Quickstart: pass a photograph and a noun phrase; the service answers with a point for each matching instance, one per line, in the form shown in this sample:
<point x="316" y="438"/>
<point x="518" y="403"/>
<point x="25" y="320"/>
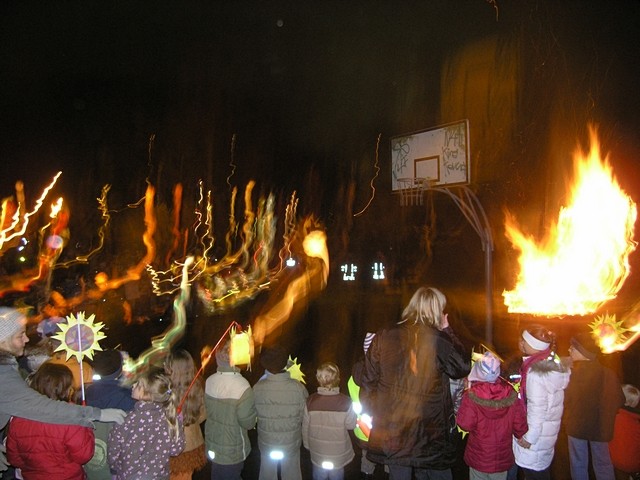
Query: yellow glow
<point x="17" y="230"/>
<point x="295" y="370"/>
<point x="79" y="337"/>
<point x="55" y="208"/>
<point x="584" y="260"/>
<point x="241" y="347"/>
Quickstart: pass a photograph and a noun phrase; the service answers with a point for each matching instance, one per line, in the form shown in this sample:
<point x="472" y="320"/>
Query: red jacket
<point x="492" y="413"/>
<point x="47" y="451"/>
<point x="625" y="446"/>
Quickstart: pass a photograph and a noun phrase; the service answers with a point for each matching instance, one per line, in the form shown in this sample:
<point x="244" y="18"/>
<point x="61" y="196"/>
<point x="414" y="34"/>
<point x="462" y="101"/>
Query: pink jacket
<point x="47" y="451"/>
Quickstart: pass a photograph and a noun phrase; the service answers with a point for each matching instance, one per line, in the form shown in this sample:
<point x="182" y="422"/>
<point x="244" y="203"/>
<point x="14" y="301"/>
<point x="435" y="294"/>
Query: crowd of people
<point x="422" y="404"/>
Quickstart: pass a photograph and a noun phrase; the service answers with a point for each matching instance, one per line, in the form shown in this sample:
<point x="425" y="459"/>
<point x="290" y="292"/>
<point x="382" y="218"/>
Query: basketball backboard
<point x="440" y="155"/>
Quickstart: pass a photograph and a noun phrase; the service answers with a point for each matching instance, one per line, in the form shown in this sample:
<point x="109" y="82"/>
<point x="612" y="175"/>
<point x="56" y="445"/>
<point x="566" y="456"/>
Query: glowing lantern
<point x="583" y="261"/>
<point x="241" y="349"/>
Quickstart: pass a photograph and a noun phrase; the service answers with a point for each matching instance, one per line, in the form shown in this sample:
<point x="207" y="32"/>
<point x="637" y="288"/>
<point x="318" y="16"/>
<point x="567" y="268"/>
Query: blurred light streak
<point x="175" y="230"/>
<point x="106" y="218"/>
<point x="6" y="235"/>
<point x="376" y="166"/>
<point x="300" y="289"/>
<point x="232" y="162"/>
<point x="161" y="345"/>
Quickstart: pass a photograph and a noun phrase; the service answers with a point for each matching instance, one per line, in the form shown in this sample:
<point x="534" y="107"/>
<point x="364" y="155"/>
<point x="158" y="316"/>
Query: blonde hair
<point x="426" y="307"/>
<point x="181" y="369"/>
<point x="328" y="375"/>
<point x="631" y="395"/>
<point x="156" y="386"/>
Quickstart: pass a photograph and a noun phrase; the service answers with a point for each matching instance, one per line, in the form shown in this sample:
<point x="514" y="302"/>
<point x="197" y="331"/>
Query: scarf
<point x="526" y="366"/>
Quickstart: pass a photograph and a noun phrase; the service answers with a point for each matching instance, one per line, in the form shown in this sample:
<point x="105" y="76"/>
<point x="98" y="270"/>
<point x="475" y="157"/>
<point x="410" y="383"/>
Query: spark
<point x="161" y="345"/>
<point x="5" y="235"/>
<point x="373" y="188"/>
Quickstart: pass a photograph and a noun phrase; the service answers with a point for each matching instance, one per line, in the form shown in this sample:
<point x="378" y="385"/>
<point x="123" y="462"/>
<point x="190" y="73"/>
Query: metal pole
<point x="488" y="285"/>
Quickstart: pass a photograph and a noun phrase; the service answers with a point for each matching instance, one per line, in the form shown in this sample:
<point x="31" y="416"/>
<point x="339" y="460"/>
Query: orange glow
<point x="584" y="260"/>
<point x="299" y="291"/>
<point x="19" y="224"/>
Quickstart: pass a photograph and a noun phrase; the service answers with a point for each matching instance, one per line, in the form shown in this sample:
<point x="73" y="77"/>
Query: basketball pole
<point x="470" y="206"/>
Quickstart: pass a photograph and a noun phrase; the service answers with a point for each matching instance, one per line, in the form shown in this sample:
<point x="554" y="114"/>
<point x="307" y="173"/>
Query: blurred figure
<point x="406" y="377"/>
<point x="591" y="401"/>
<point x="625" y="445"/>
<point x="181" y="369"/>
<point x="328" y="417"/>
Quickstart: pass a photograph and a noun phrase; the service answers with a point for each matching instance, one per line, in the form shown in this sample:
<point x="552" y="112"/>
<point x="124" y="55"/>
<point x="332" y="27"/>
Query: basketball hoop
<point x="412" y="190"/>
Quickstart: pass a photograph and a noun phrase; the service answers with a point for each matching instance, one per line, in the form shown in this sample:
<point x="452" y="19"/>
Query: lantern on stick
<point x="79" y="337"/>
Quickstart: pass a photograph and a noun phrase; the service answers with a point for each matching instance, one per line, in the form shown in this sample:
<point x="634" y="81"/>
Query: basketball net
<point x="412" y="190"/>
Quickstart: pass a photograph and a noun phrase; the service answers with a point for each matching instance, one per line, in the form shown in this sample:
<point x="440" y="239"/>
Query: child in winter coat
<point x="543" y="381"/>
<point x="181" y="369"/>
<point x="280" y="402"/>
<point x="140" y="448"/>
<point x="328" y="417"/>
<point x="492" y="413"/>
<point x="625" y="446"/>
<point x="44" y="450"/>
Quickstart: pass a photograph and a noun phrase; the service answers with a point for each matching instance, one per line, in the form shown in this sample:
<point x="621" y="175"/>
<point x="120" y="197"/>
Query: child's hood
<point x="496" y="398"/>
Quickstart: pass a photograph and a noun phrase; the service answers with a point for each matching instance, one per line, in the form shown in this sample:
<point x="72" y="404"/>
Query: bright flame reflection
<point x="583" y="261"/>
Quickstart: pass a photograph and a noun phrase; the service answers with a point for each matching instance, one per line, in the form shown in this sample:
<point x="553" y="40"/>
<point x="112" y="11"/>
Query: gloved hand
<point x="4" y="465"/>
<point x="112" y="415"/>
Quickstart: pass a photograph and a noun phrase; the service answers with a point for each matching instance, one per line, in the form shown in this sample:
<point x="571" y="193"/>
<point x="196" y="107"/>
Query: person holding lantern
<point x="19" y="400"/>
<point x="231" y="412"/>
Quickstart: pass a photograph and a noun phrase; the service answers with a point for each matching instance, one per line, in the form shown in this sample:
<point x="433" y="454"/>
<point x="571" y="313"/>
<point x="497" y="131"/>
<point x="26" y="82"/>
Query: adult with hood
<point x="405" y="381"/>
<point x="543" y="381"/>
<point x="19" y="400"/>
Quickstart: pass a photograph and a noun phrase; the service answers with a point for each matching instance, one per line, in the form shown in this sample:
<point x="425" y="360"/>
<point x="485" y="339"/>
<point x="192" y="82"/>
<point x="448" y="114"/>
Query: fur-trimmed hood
<point x="553" y="365"/>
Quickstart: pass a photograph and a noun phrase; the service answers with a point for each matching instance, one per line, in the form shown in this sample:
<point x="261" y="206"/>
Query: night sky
<point x="295" y="95"/>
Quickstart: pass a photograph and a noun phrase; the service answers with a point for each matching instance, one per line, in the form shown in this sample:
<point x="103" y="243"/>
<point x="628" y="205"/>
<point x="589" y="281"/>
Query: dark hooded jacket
<point x="405" y="384"/>
<point x="492" y="413"/>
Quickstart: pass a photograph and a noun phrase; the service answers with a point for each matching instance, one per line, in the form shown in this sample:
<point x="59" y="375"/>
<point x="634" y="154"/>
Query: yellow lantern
<point x="241" y="350"/>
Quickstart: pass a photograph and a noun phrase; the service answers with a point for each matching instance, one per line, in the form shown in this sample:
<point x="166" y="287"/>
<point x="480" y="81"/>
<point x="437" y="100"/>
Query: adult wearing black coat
<point x="405" y="381"/>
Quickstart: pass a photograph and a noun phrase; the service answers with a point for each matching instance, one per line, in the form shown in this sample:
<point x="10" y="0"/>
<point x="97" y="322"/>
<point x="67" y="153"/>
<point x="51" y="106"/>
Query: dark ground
<point x="352" y="471"/>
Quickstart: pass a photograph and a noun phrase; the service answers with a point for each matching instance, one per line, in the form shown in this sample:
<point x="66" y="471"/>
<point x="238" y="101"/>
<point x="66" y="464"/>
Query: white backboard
<point x="439" y="154"/>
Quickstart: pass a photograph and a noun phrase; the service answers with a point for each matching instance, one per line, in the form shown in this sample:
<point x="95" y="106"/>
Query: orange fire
<point x="584" y="259"/>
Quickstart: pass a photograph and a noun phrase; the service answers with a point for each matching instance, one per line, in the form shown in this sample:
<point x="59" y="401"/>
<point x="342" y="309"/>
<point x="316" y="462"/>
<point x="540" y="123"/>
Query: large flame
<point x="584" y="259"/>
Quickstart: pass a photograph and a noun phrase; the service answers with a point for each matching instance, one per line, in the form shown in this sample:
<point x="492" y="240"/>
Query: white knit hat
<point x="11" y="321"/>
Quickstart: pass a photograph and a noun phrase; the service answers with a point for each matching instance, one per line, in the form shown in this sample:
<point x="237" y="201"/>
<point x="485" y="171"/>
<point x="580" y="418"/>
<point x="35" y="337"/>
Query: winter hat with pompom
<point x="11" y="321"/>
